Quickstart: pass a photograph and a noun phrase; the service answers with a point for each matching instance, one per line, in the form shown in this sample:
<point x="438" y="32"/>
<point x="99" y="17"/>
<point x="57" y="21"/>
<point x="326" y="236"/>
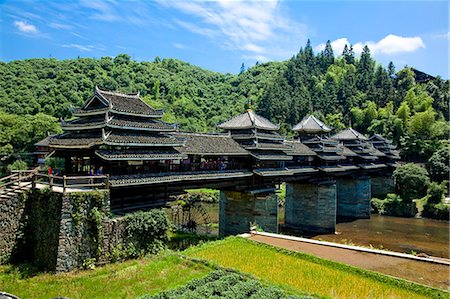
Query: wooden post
<point x="107" y="182"/>
<point x="33" y="181"/>
<point x="20" y="178"/>
<point x="64" y="184"/>
<point x="50" y="181"/>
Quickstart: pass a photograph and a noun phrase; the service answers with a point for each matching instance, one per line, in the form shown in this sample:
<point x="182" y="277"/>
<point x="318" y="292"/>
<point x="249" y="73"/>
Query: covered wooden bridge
<point x="119" y="142"/>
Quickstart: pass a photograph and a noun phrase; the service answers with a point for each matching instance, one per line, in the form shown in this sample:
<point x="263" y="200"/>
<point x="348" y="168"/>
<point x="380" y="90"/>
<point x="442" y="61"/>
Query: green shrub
<point x="393" y="205"/>
<point x="146" y="232"/>
<point x="438" y="163"/>
<point x="202" y="195"/>
<point x="17" y="165"/>
<point x="411" y="181"/>
<point x="436" y="192"/>
<point x="439" y="211"/>
<point x="222" y="284"/>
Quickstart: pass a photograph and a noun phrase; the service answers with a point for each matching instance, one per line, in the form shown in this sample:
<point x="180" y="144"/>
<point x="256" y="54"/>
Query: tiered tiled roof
<point x="311" y="125"/>
<point x="358" y="144"/>
<point x="128" y="104"/>
<point x="326" y="149"/>
<point x="385" y="146"/>
<point x="299" y="149"/>
<point x="120" y="120"/>
<point x="248" y="120"/>
<point x="257" y="135"/>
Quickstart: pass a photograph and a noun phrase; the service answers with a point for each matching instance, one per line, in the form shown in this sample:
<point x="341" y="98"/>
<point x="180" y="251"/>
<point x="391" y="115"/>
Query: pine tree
<point x="242" y="68"/>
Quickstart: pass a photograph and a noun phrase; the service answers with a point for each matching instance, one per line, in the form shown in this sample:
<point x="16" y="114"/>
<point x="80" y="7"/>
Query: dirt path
<point x="435" y="275"/>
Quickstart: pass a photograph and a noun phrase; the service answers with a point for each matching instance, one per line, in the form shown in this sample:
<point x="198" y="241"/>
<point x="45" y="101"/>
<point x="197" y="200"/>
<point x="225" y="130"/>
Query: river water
<point x="409" y="235"/>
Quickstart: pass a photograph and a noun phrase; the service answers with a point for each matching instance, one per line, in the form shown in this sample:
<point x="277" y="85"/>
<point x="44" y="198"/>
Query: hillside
<point x="340" y="90"/>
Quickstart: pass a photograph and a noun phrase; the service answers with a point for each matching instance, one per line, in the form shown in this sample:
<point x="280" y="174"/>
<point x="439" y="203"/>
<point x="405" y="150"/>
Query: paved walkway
<point x="432" y="274"/>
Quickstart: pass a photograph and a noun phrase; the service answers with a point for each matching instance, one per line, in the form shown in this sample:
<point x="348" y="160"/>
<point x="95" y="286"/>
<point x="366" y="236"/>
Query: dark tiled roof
<point x="129" y="103"/>
<point x="45" y="141"/>
<point x="271" y="156"/>
<point x="311" y="125"/>
<point x="268" y="146"/>
<point x="349" y="134"/>
<point x="273" y="172"/>
<point x="76" y="139"/>
<point x="208" y="144"/>
<point x="121" y="121"/>
<point x="130" y="138"/>
<point x="139" y="154"/>
<point x="385" y="146"/>
<point x="247" y="120"/>
<point x="149" y="179"/>
<point x="348" y="152"/>
<point x="299" y="149"/>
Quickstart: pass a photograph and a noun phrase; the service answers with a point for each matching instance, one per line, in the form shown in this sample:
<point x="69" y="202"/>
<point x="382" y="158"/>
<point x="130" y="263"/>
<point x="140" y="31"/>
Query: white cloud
<point x="390" y="44"/>
<point x="60" y="26"/>
<point x="104" y="10"/>
<point x="83" y="48"/>
<point x="255" y="27"/>
<point x="259" y="58"/>
<point x="25" y="27"/>
<point x="443" y="36"/>
<point x="179" y="46"/>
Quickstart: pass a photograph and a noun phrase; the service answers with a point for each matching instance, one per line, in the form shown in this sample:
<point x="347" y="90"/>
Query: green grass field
<point x="307" y="273"/>
<point x="295" y="273"/>
<point x="129" y="279"/>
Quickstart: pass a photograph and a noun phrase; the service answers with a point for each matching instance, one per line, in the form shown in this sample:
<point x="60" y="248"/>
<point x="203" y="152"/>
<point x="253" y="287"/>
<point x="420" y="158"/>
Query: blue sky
<point x="220" y="35"/>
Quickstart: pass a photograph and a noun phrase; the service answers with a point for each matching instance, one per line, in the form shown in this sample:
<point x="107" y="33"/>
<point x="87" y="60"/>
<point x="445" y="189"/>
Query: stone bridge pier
<point x="240" y="209"/>
<point x="353" y="197"/>
<point x="311" y="206"/>
<point x="382" y="185"/>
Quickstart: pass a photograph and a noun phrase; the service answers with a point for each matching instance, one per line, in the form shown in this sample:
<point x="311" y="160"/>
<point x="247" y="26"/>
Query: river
<point x="408" y="235"/>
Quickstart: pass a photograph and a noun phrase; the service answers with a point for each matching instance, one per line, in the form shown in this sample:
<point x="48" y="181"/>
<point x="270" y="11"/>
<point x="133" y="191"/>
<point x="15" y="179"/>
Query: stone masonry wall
<point x="239" y="209"/>
<point x="311" y="207"/>
<point x="382" y="185"/>
<point x="78" y="232"/>
<point x="353" y="197"/>
<point x="11" y="211"/>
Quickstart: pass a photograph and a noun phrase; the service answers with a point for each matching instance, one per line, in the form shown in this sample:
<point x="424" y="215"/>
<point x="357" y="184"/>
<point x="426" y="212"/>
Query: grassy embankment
<point x="129" y="279"/>
<point x="297" y="271"/>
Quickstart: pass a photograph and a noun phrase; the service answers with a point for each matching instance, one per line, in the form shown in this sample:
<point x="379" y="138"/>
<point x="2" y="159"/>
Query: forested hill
<point x="347" y="90"/>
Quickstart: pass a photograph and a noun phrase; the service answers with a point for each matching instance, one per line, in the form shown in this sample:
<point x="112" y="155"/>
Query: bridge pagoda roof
<point x="248" y="120"/>
<point x="385" y="146"/>
<point x="349" y="134"/>
<point x="120" y="103"/>
<point x="210" y="145"/>
<point x="311" y="125"/>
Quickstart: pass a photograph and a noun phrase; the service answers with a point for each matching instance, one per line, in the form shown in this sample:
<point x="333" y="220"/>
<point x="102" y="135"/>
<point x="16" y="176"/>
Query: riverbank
<point x="420" y="271"/>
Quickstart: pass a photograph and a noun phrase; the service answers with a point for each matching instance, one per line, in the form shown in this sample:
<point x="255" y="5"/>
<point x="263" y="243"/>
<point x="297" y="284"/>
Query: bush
<point x="222" y="284"/>
<point x="438" y="163"/>
<point x="393" y="205"/>
<point x="439" y="211"/>
<point x="201" y="195"/>
<point x="17" y="165"/>
<point x="411" y="182"/>
<point x="146" y="232"/>
<point x="436" y="192"/>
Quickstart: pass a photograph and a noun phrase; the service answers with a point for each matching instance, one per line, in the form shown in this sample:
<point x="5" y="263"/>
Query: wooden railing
<point x="75" y="183"/>
<point x="72" y="182"/>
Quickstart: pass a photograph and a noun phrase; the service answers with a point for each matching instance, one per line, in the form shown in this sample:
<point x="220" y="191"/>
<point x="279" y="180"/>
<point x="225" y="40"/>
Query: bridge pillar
<point x="353" y="197"/>
<point x="382" y="185"/>
<point x="311" y="206"/>
<point x="239" y="209"/>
